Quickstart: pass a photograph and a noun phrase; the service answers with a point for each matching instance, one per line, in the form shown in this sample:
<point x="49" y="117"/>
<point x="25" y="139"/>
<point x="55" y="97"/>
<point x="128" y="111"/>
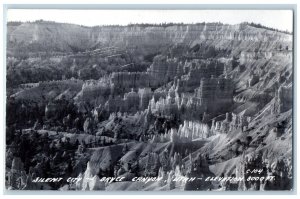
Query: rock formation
<point x="169" y="101"/>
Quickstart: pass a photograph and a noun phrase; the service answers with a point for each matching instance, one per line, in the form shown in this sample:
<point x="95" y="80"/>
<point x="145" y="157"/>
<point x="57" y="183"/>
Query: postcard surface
<point x="149" y="100"/>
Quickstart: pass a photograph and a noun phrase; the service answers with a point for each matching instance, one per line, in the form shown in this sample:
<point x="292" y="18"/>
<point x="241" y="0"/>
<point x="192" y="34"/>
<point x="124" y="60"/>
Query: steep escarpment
<point x="68" y="37"/>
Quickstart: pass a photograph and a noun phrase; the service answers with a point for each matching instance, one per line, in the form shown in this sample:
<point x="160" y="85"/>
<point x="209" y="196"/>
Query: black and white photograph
<point x="158" y="100"/>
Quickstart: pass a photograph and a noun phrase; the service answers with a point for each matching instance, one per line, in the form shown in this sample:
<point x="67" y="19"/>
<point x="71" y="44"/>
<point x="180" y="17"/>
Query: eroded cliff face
<point x="64" y="37"/>
<point x="174" y="101"/>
